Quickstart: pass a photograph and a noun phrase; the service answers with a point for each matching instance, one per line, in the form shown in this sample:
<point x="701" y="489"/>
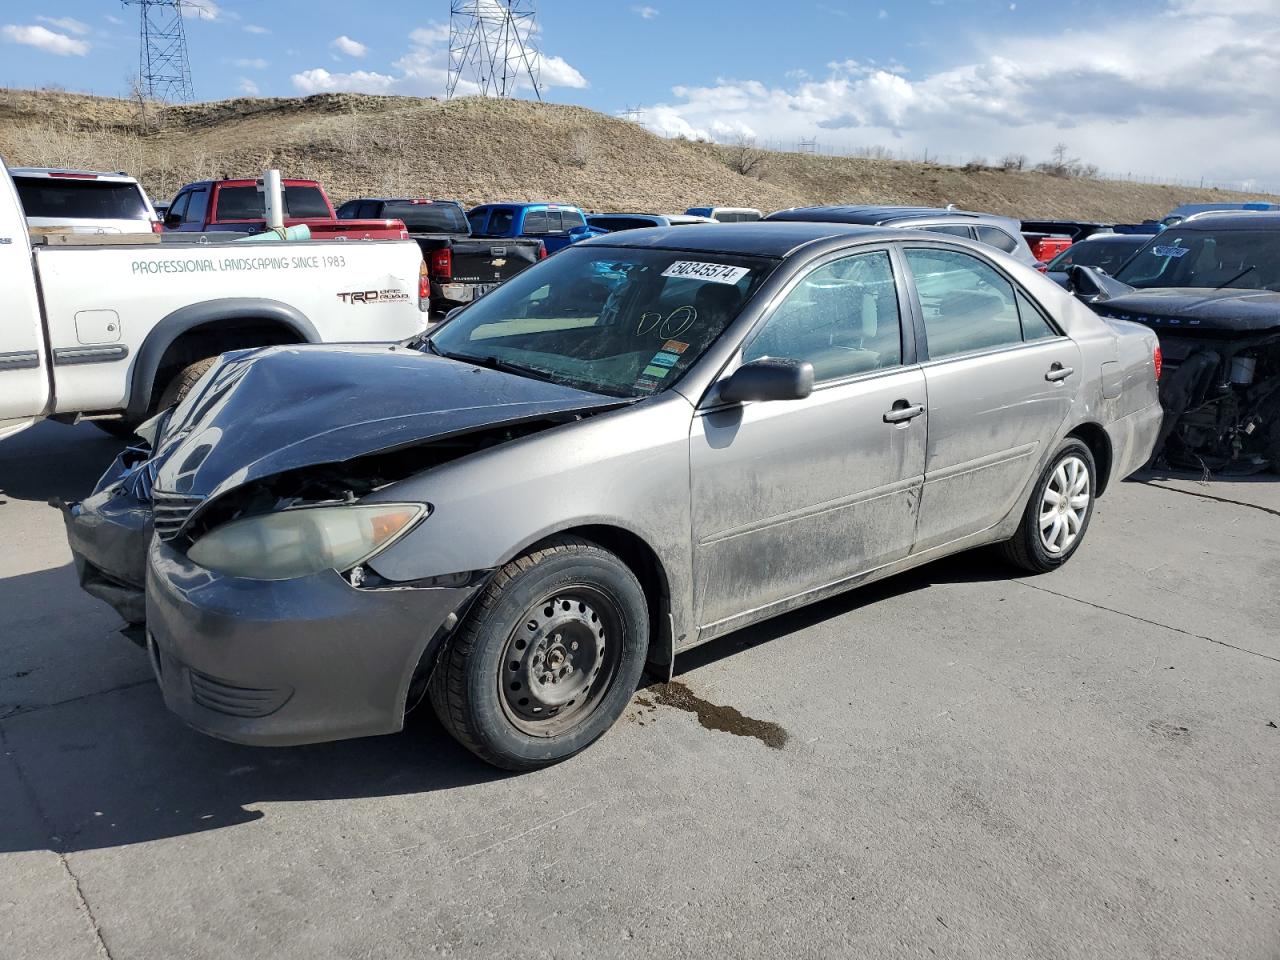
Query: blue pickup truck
<point x="556" y="224"/>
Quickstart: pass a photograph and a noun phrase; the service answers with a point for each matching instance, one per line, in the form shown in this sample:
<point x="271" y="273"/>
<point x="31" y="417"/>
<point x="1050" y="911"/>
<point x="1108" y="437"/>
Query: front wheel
<point x="547" y="659"/>
<point x="1058" y="513"/>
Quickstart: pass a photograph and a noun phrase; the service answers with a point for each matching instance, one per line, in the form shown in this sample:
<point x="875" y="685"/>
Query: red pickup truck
<point x="240" y="205"/>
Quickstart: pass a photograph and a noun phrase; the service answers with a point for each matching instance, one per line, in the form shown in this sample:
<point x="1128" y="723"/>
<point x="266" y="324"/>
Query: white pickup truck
<point x="111" y="331"/>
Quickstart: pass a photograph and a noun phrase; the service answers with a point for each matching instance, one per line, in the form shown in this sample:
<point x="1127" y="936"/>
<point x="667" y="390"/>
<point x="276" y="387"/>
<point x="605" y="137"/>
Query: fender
<point x="164" y="333"/>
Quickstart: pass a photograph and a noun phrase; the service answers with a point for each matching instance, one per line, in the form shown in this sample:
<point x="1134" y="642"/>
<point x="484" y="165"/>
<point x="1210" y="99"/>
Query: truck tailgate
<point x="492" y="261"/>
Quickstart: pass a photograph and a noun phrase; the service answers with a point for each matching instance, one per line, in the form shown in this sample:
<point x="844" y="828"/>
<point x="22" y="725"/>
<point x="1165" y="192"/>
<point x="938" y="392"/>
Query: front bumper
<point x="291" y="661"/>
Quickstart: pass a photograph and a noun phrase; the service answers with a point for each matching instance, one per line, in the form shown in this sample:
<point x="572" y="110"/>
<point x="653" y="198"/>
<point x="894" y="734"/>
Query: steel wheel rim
<point x="559" y="660"/>
<point x="1064" y="505"/>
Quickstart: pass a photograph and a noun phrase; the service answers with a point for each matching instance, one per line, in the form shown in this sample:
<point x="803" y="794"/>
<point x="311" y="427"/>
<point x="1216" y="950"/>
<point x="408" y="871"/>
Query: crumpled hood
<point x="261" y="413"/>
<point x="1220" y="311"/>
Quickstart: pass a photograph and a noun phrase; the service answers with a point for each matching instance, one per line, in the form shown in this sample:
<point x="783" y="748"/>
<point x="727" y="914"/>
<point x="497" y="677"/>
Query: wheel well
<point x="644" y="563"/>
<point x="1099" y="444"/>
<point x="213" y="338"/>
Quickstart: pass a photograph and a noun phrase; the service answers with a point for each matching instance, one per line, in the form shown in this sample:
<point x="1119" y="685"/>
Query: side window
<point x="537" y="222"/>
<point x="967" y="304"/>
<point x="843" y="318"/>
<point x="1034" y="325"/>
<point x="197" y="207"/>
<point x="950" y="229"/>
<point x="478" y="219"/>
<point x="997" y="238"/>
<point x="179" y="206"/>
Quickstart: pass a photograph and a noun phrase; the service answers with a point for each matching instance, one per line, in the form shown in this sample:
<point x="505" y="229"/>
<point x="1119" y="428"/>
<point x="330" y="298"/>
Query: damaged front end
<point x="285" y="428"/>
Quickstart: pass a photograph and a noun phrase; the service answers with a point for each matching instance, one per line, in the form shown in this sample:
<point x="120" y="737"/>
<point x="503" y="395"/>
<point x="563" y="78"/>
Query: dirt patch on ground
<point x="475" y="149"/>
<point x="713" y="716"/>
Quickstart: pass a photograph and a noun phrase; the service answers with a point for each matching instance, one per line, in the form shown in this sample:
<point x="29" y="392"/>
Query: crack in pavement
<point x="20" y="710"/>
<point x="1154" y="623"/>
<point x="82" y="902"/>
<point x="1208" y="496"/>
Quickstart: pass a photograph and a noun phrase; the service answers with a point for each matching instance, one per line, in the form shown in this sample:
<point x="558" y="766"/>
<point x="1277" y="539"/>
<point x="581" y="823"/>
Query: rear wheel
<point x="1058" y="513"/>
<point x="547" y="659"/>
<point x="177" y="389"/>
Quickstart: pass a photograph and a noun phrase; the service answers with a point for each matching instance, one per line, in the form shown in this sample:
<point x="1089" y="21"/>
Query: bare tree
<point x="745" y="158"/>
<point x="1014" y="162"/>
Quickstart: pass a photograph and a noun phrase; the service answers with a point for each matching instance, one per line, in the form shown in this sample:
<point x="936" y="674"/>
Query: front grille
<point x="233" y="700"/>
<point x="170" y="512"/>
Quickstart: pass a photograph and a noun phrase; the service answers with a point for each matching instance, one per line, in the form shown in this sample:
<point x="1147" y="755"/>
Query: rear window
<point x="65" y="199"/>
<point x="499" y="219"/>
<point x="429" y="217"/>
<point x="247" y="203"/>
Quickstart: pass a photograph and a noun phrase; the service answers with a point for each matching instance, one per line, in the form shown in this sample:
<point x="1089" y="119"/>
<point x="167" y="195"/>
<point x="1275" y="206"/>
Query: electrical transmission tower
<point x="491" y="43"/>
<point x="164" y="73"/>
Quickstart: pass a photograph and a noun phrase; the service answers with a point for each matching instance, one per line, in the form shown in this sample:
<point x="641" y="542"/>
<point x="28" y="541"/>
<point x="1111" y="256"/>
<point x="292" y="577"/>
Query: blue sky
<point x="1147" y="87"/>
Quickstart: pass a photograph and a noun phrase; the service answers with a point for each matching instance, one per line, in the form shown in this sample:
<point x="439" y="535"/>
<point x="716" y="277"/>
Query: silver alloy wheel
<point x="1064" y="505"/>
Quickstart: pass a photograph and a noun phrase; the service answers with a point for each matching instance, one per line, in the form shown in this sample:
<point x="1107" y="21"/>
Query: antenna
<point x="491" y="43"/>
<point x="164" y="73"/>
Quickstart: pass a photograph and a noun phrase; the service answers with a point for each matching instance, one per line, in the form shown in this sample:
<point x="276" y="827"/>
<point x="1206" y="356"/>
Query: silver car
<point x="649" y="440"/>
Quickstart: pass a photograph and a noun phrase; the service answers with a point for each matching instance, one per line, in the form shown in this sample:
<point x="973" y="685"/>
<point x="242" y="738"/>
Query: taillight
<point x="1158" y="357"/>
<point x="442" y="264"/>
<point x="542" y="251"/>
<point x="157" y="226"/>
<point x="424" y="287"/>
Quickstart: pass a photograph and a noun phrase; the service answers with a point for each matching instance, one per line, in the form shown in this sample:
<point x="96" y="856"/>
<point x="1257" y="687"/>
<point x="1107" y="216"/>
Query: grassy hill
<point x="475" y="149"/>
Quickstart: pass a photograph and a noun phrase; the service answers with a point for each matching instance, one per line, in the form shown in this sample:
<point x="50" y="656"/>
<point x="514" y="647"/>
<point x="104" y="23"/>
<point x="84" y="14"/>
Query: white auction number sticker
<point x="714" y="272"/>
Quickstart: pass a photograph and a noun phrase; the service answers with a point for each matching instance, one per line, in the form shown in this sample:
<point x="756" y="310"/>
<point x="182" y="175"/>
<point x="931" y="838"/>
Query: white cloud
<point x="248" y="87"/>
<point x="254" y="63"/>
<point x="424" y="71"/>
<point x="352" y="48"/>
<point x="115" y="21"/>
<point x="44" y="39"/>
<point x="320" y="80"/>
<point x="202" y="10"/>
<point x="1209" y="111"/>
<point x="254" y="28"/>
<point x="645" y="12"/>
<point x="69" y="24"/>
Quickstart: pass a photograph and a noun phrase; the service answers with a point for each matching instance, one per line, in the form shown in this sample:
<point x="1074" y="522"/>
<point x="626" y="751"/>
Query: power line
<point x="164" y="71"/>
<point x="491" y="45"/>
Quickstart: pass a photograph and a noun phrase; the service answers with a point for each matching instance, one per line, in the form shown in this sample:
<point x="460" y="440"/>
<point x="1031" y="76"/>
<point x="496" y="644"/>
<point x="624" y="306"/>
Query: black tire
<point x="564" y="588"/>
<point x="177" y="388"/>
<point x="1028" y="548"/>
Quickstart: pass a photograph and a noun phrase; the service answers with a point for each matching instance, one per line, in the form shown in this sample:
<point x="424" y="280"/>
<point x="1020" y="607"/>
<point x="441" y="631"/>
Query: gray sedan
<point x="647" y="441"/>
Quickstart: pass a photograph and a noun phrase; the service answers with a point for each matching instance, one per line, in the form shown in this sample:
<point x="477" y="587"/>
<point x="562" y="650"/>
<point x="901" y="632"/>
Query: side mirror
<point x="768" y="379"/>
<point x="1093" y="285"/>
<point x="172" y="220"/>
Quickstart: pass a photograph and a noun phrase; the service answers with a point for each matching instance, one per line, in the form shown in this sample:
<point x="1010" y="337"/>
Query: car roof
<point x="114" y="176"/>
<point x="1231" y="220"/>
<point x="1133" y="238"/>
<point x="847" y="213"/>
<point x="401" y="200"/>
<point x="754" y="238"/>
<point x="1189" y="208"/>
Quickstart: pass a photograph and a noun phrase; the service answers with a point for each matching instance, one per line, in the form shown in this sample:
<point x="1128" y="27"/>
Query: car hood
<point x="265" y="412"/>
<point x="1218" y="311"/>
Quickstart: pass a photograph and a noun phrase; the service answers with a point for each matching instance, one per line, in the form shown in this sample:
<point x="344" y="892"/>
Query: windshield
<point x="617" y="321"/>
<point x="1110" y="255"/>
<point x="1234" y="259"/>
<point x="427" y="216"/>
<point x="70" y="199"/>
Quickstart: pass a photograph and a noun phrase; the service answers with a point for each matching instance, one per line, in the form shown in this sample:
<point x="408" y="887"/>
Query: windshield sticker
<point x="675" y="346"/>
<point x="714" y="272"/>
<point x="654" y="371"/>
<point x="665" y="359"/>
<point x="1174" y="252"/>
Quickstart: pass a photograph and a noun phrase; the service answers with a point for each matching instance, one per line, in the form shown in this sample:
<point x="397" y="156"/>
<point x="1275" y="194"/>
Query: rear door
<point x="1001" y="380"/>
<point x="24" y="373"/>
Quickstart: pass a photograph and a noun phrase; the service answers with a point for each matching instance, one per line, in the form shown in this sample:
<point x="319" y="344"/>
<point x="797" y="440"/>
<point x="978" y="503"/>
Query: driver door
<point x="791" y="497"/>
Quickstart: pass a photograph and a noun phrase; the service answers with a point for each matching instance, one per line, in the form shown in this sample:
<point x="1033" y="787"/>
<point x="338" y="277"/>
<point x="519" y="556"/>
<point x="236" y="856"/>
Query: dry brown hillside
<point x="476" y="149"/>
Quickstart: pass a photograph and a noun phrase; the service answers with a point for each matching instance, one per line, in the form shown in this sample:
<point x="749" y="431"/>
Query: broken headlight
<point x="304" y="540"/>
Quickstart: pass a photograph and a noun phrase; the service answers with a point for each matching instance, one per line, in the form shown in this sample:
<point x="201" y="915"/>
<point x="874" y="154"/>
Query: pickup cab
<point x="240" y="206"/>
<point x="461" y="268"/>
<point x="556" y="224"/>
<point x="113" y="328"/>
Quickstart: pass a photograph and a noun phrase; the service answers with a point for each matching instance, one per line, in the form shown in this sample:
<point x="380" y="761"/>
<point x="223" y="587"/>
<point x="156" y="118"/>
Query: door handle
<point x="1058" y="372"/>
<point x="902" y="411"/>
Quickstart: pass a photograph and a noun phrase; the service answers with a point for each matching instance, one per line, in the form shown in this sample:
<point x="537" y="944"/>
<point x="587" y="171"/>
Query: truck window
<point x="178" y="208"/>
<point x="369" y="210"/>
<point x="571" y="219"/>
<point x="538" y="222"/>
<point x="478" y="219"/>
<point x="305" y="202"/>
<point x="429" y="217"/>
<point x="68" y="199"/>
<point x="240" y="203"/>
<point x="197" y="206"/>
<point x="348" y="210"/>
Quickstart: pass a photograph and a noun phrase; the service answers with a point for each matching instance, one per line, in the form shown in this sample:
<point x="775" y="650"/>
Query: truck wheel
<point x="547" y="659"/>
<point x="1058" y="513"/>
<point x="181" y="385"/>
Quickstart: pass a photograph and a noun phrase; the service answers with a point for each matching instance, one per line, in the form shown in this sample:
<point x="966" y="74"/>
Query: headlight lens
<point x="302" y="541"/>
